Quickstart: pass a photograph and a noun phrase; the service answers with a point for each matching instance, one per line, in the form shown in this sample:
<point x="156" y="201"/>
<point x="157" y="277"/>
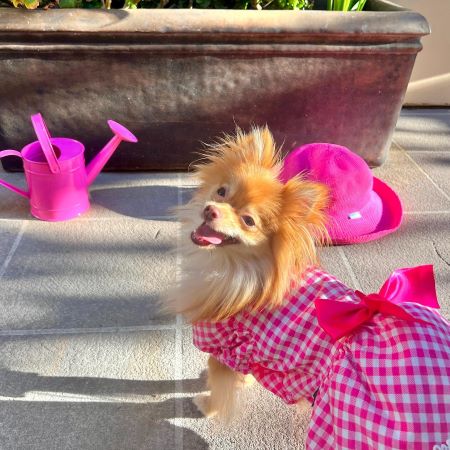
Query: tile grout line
<point x="350" y="271"/>
<point x="428" y="151"/>
<point x="178" y="369"/>
<point x="69" y="331"/>
<point x="423" y="171"/>
<point x="95" y="219"/>
<point x="427" y="212"/>
<point x="13" y="249"/>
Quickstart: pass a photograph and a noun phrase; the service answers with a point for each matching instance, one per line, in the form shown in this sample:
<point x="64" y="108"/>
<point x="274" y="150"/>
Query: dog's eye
<point x="221" y="192"/>
<point x="248" y="221"/>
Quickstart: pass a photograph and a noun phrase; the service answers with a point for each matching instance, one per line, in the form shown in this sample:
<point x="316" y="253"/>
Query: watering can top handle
<point x="9" y="185"/>
<point x="44" y="139"/>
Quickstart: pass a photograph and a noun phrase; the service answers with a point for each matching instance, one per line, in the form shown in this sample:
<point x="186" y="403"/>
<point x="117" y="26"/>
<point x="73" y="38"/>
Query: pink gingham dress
<point x="384" y="386"/>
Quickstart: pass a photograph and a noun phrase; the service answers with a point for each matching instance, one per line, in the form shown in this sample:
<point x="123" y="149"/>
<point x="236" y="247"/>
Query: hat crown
<point x="346" y="174"/>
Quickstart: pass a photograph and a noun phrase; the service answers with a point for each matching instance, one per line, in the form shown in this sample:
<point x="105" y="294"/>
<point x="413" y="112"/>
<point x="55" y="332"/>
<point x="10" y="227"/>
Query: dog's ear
<point x="304" y="204"/>
<point x="301" y="226"/>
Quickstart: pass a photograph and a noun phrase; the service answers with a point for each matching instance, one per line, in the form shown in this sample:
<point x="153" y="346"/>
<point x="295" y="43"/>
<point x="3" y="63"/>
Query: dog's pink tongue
<point x="208" y="234"/>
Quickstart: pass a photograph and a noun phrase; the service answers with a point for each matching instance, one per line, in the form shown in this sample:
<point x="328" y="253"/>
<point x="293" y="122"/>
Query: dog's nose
<point x="211" y="213"/>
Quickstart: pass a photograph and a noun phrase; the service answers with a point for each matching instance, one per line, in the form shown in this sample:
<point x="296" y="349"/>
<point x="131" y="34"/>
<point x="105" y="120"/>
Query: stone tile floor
<point x="88" y="360"/>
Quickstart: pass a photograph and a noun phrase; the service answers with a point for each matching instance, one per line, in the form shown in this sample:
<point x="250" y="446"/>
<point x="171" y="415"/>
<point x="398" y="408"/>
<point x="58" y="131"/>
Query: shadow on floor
<point x="72" y="421"/>
<point x="71" y="425"/>
<point x="16" y="384"/>
<point x="138" y="201"/>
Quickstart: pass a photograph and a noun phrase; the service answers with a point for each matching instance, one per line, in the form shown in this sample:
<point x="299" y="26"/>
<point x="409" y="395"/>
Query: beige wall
<point x="430" y="80"/>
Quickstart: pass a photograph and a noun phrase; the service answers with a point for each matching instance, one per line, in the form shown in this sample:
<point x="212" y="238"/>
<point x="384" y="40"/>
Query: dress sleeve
<point x="228" y="341"/>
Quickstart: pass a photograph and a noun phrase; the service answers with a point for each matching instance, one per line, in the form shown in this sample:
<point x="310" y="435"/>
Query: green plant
<point x="227" y="4"/>
<point x="132" y="4"/>
<point x="345" y="5"/>
<point x="335" y="5"/>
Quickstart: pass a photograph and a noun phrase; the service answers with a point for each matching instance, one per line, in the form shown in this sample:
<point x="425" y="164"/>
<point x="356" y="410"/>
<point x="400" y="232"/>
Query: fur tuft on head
<point x="245" y="234"/>
<point x="256" y="148"/>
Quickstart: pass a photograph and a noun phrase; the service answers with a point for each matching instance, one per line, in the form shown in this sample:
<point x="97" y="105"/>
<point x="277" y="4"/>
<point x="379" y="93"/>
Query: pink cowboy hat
<point x="362" y="208"/>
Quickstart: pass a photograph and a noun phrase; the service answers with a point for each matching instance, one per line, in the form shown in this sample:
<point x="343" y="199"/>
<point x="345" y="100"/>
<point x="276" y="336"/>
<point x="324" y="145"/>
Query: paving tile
<point x="186" y="193"/>
<point x="89" y="274"/>
<point x="88" y="426"/>
<point x="436" y="165"/>
<point x="131" y="179"/>
<point x="423" y="130"/>
<point x="107" y="366"/>
<point x="150" y="201"/>
<point x="8" y="234"/>
<point x="333" y="260"/>
<point x="422" y="239"/>
<point x="412" y="185"/>
<point x="93" y="391"/>
<point x="137" y="195"/>
<point x="14" y="206"/>
<point x="264" y="421"/>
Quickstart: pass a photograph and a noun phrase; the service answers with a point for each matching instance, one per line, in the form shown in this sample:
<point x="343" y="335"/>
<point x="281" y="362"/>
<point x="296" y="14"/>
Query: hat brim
<point x="389" y="221"/>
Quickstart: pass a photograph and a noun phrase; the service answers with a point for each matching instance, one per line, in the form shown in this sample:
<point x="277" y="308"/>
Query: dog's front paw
<point x="203" y="403"/>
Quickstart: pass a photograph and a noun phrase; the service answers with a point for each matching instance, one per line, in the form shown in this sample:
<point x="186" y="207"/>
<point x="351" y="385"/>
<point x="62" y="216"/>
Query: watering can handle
<point x="6" y="184"/>
<point x="43" y="136"/>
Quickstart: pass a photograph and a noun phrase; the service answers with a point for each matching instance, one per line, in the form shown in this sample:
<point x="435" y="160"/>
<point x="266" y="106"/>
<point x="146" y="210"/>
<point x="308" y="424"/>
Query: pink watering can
<point x="57" y="177"/>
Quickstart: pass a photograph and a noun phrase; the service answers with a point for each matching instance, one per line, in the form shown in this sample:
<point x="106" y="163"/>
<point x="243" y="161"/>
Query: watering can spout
<point x="97" y="164"/>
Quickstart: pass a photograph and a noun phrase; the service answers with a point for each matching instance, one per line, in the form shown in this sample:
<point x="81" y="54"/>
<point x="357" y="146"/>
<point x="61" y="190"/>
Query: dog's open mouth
<point x="204" y="235"/>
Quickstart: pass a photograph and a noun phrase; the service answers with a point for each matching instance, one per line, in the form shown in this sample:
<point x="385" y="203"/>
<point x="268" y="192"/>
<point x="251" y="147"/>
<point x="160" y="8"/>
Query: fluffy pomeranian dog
<point x="248" y="283"/>
<point x="247" y="233"/>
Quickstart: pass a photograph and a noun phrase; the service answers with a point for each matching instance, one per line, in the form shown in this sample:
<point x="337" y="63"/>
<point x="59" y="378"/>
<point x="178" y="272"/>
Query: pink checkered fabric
<point x="387" y="386"/>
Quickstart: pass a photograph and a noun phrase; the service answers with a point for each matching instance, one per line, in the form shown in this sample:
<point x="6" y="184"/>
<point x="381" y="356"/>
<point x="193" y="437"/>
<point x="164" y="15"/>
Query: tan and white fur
<point x="244" y="235"/>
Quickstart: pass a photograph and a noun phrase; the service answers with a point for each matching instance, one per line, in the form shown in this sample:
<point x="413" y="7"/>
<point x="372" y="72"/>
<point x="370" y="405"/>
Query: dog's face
<point x="242" y="203"/>
<point x="238" y="206"/>
<point x="246" y="219"/>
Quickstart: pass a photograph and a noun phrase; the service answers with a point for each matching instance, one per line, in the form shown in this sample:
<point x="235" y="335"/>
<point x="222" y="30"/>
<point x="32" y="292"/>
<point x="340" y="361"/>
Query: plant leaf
<point x="131" y="4"/>
<point x="31" y="4"/>
<point x="361" y="4"/>
<point x="70" y="3"/>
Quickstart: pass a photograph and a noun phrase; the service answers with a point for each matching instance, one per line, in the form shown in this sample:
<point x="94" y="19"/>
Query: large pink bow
<point x="339" y="318"/>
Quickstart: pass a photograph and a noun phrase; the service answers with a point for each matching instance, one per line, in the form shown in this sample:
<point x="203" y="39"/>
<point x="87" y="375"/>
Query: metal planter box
<point x="178" y="78"/>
